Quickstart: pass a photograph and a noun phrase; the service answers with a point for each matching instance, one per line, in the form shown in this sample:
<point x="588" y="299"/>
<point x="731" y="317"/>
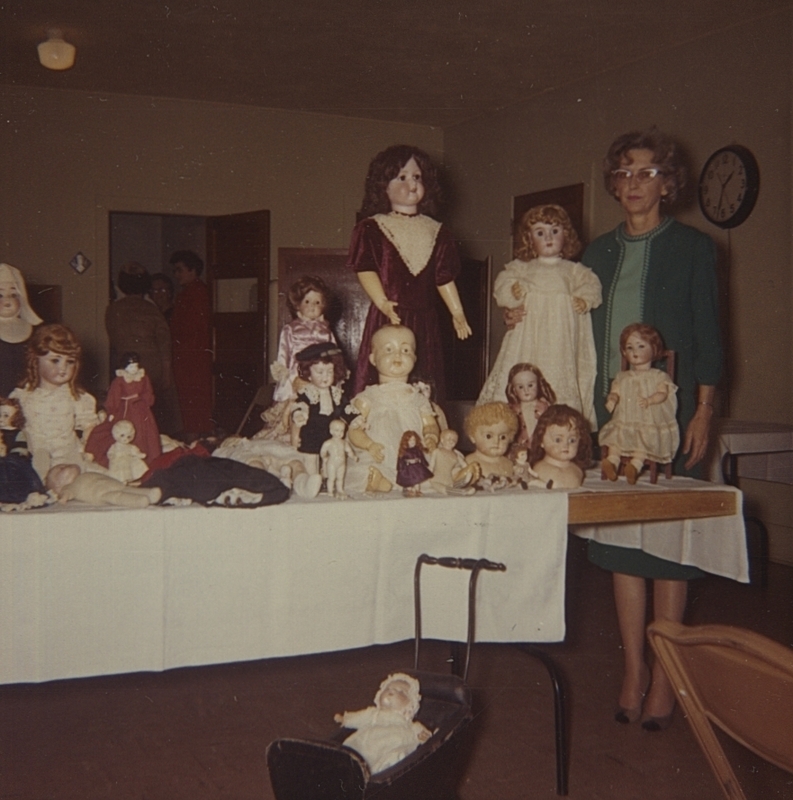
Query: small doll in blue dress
<point x="18" y="479"/>
<point x="412" y="466"/>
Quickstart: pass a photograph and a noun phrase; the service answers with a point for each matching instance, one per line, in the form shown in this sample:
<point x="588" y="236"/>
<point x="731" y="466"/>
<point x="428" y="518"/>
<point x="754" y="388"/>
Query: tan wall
<point x="68" y="158"/>
<point x="734" y="86"/>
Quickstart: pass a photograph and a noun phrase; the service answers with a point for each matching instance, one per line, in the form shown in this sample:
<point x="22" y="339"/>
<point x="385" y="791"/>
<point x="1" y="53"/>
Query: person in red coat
<point x="191" y="336"/>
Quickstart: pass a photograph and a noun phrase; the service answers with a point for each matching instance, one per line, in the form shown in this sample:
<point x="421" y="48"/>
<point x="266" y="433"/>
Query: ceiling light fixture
<point x="55" y="53"/>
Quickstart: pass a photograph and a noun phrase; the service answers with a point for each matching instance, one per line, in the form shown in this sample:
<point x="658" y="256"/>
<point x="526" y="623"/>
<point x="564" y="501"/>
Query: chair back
<point x="735" y="679"/>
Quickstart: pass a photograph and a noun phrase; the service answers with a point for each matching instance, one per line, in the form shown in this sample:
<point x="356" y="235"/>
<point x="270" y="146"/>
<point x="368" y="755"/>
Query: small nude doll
<point x="68" y="483"/>
<point x="556" y="296"/>
<point x="528" y="395"/>
<point x="334" y="453"/>
<point x="18" y="479"/>
<point x="127" y="462"/>
<point x="450" y="473"/>
<point x="643" y="404"/>
<point x="386" y="732"/>
<point x="561" y="448"/>
<point x="492" y="427"/>
<point x="56" y="408"/>
<point x="412" y="469"/>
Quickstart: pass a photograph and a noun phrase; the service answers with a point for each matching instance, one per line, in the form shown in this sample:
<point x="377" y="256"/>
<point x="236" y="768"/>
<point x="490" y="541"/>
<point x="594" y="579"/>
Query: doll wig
<point x="544" y="390"/>
<point x="53" y="338"/>
<point x="404" y="442"/>
<point x="414" y="695"/>
<point x="550" y="214"/>
<point x="385" y="166"/>
<point x="322" y="353"/>
<point x="666" y="155"/>
<point x="301" y="287"/>
<point x="645" y="332"/>
<point x="490" y="414"/>
<point x="565" y="417"/>
<point x="17" y="420"/>
<point x="129" y="358"/>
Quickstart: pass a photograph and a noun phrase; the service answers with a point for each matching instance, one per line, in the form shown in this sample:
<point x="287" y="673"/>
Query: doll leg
<point x="132" y="498"/>
<point x="331" y="479"/>
<point x="377" y="482"/>
<point x="634" y="467"/>
<point x="630" y="597"/>
<point x="341" y="473"/>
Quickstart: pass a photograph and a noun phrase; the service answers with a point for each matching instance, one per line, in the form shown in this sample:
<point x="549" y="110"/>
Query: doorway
<point x="236" y="251"/>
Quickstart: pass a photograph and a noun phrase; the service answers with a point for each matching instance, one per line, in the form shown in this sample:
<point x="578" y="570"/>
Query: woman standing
<point x="660" y="272"/>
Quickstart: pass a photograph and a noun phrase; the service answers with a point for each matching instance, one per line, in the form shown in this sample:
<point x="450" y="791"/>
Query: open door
<point x="238" y="272"/>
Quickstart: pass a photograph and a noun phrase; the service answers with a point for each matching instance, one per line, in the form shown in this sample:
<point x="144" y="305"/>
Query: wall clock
<point x="728" y="186"/>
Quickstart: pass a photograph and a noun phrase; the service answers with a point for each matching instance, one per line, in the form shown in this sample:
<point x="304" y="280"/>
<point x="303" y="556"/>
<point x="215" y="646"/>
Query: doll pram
<point x="327" y="770"/>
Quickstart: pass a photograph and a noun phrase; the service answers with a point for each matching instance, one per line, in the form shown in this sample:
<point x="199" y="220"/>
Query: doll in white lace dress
<point x="54" y="405"/>
<point x="127" y="462"/>
<point x="643" y="404"/>
<point x="386" y="732"/>
<point x="557" y="296"/>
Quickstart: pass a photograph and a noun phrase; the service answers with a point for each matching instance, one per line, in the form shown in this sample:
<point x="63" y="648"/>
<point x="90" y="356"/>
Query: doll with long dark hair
<point x="404" y="258"/>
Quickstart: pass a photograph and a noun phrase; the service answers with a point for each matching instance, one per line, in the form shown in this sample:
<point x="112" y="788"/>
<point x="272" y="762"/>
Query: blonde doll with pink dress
<point x="55" y="407"/>
<point x="556" y="295"/>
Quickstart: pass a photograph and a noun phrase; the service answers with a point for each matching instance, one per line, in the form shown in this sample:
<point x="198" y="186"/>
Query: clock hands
<point x="723" y="188"/>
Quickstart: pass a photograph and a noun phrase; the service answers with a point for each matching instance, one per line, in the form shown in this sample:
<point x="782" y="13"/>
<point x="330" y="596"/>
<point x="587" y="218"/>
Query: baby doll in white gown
<point x="386" y="732"/>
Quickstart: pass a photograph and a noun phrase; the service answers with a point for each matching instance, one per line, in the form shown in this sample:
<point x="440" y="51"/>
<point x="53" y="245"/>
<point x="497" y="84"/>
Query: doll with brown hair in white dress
<point x="643" y="404"/>
<point x="386" y="732"/>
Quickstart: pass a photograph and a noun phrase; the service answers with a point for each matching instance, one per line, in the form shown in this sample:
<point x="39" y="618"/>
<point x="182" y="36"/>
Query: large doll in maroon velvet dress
<point x="402" y="256"/>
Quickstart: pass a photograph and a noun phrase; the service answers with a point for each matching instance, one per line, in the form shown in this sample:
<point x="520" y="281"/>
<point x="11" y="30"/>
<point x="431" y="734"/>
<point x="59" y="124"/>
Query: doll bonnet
<point x="17" y="329"/>
<point x="413" y="692"/>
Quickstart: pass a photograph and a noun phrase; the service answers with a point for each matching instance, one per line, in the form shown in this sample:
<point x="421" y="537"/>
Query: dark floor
<point x="191" y="734"/>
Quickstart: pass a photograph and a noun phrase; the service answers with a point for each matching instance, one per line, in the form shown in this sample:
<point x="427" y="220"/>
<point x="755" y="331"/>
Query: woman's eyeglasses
<point x="644" y="175"/>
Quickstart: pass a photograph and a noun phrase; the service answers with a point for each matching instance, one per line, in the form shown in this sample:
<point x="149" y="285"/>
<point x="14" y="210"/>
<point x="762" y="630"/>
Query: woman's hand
<point x="512" y="316"/>
<point x="695" y="443"/>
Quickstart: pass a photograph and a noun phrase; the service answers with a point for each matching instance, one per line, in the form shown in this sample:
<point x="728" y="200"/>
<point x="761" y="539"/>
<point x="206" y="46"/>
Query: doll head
<point x="525" y="380"/>
<point x="386" y="166"/>
<point x="308" y="297"/>
<point x="641" y="344"/>
<point x="409" y="439"/>
<point x="399" y="692"/>
<point x="60" y="476"/>
<point x="130" y="366"/>
<point x="542" y="217"/>
<point x="123" y="431"/>
<point x="337" y="428"/>
<point x="322" y="364"/>
<point x="567" y="423"/>
<point x="520" y="455"/>
<point x="14" y="297"/>
<point x="11" y="416"/>
<point x="53" y="358"/>
<point x="491" y="427"/>
<point x="448" y="439"/>
<point x="393" y="353"/>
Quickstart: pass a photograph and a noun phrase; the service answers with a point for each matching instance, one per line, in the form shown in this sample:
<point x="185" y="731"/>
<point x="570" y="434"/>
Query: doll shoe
<point x="609" y="470"/>
<point x="631" y="474"/>
<point x="657" y="724"/>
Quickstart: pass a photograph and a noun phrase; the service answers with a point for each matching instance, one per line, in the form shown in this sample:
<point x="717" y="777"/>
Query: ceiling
<point x="432" y="62"/>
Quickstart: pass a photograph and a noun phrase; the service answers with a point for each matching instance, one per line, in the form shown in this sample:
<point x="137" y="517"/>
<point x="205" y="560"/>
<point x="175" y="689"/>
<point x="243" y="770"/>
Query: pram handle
<point x="473" y="564"/>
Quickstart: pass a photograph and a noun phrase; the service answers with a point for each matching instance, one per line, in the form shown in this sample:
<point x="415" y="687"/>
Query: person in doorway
<point x="191" y="335"/>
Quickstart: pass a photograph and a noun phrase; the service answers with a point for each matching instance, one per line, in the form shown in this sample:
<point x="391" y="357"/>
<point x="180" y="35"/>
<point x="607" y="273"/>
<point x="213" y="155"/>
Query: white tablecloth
<point x="102" y="591"/>
<point x="714" y="544"/>
<point x="763" y="451"/>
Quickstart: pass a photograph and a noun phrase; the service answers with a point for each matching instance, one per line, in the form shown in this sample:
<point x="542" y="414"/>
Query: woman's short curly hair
<point x="301" y="287"/>
<point x="385" y="166"/>
<point x="550" y="214"/>
<point x="666" y="155"/>
<point x="646" y="332"/>
<point x="565" y="417"/>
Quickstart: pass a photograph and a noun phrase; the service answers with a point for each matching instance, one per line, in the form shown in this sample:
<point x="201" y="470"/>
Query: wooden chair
<point x="737" y="680"/>
<point x="668" y="358"/>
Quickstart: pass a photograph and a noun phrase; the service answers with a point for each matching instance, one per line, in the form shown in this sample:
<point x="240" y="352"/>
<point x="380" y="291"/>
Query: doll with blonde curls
<point x="555" y="295"/>
<point x="56" y="408"/>
<point x="561" y="447"/>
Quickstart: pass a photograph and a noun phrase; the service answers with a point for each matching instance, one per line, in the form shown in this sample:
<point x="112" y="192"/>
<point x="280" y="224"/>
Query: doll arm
<point x="422" y="733"/>
<point x="612" y="398"/>
<point x="503" y="289"/>
<point x="358" y="435"/>
<point x="586" y="288"/>
<point x="349" y="451"/>
<point x="451" y="297"/>
<point x="373" y="286"/>
<point x="355" y="719"/>
<point x="658" y="396"/>
<point x="430" y="432"/>
<point x="85" y="416"/>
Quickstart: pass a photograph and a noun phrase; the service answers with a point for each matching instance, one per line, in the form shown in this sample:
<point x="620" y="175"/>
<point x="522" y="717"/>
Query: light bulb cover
<point x="56" y="54"/>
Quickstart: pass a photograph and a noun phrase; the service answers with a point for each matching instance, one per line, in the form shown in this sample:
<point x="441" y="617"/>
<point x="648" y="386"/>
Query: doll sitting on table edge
<point x="561" y="448"/>
<point x="643" y="404"/>
<point x="491" y="427"/>
<point x="387" y="732"/>
<point x="68" y="483"/>
<point x="20" y="484"/>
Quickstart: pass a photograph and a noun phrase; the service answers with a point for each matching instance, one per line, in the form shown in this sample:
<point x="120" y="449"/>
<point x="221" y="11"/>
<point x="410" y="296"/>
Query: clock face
<point x="728" y="186"/>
